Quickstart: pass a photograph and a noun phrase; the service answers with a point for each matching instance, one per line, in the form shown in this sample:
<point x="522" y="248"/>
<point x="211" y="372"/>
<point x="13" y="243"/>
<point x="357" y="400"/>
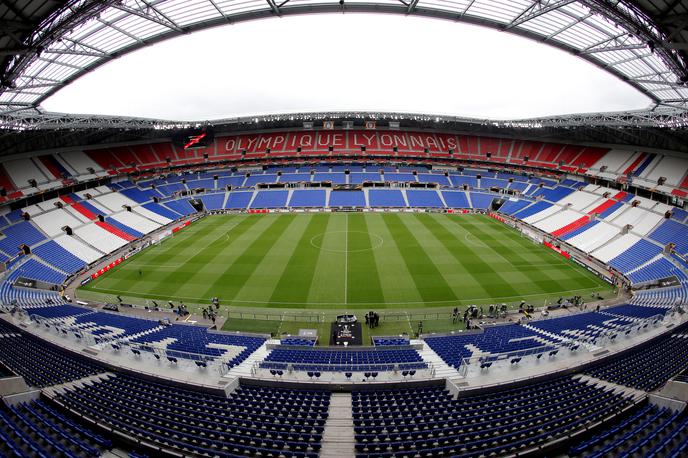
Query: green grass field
<point x="299" y="268"/>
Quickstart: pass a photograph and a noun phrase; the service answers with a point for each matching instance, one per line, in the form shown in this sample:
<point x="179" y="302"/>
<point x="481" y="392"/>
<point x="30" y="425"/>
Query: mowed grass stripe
<point x="471" y="258"/>
<point x="233" y="278"/>
<point x="397" y="284"/>
<point x="536" y="276"/>
<point x="544" y="270"/>
<point x="551" y="265"/>
<point x="200" y="268"/>
<point x="427" y="278"/>
<point x="159" y="264"/>
<point x="453" y="272"/>
<point x="474" y="258"/>
<point x="363" y="278"/>
<point x="263" y="281"/>
<point x="327" y="285"/>
<point x="193" y="278"/>
<point x="295" y="282"/>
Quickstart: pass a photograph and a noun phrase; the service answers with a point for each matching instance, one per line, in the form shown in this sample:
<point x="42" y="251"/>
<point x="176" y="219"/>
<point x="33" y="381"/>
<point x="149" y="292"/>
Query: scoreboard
<point x="194" y="138"/>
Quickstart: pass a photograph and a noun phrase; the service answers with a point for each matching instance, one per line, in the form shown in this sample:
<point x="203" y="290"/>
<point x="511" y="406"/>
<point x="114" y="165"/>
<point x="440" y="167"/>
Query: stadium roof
<point x="46" y="44"/>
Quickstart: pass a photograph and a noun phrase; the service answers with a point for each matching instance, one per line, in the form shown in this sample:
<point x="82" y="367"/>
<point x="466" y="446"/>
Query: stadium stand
<point x="183" y="207"/>
<point x="213" y="201"/>
<point x="494" y="340"/>
<point x="35" y="270"/>
<point x="650" y="366"/>
<point x="424" y="199"/>
<point x="430" y="422"/>
<point x="636" y="255"/>
<point x="308" y="198"/>
<point x="386" y="198"/>
<point x="512" y="206"/>
<point x="456" y="199"/>
<point x="54" y="254"/>
<point x="40" y="363"/>
<point x="672" y="232"/>
<point x="270" y="199"/>
<point x="263" y="420"/>
<point x="347" y="199"/>
<point x="198" y="341"/>
<point x="650" y="430"/>
<point x="531" y="210"/>
<point x="343" y="360"/>
<point x="34" y="427"/>
<point x="586" y="325"/>
<point x="238" y="200"/>
<point x="170" y="215"/>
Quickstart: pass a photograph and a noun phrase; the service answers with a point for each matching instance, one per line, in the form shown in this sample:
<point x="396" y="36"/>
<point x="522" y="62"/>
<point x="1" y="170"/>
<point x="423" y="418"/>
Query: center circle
<point x="376" y="241"/>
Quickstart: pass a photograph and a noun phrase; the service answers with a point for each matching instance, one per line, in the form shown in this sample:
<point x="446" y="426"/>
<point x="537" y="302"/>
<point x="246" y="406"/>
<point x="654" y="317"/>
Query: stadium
<point x="343" y="283"/>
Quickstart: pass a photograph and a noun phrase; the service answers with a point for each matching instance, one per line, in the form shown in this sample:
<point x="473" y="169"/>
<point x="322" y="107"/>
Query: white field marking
<point x="159" y="266"/>
<point x="279" y="328"/>
<point x="346" y="258"/>
<point x="453" y="301"/>
<point x="476" y="242"/>
<point x="541" y="264"/>
<point x="380" y="242"/>
<point x="408" y="320"/>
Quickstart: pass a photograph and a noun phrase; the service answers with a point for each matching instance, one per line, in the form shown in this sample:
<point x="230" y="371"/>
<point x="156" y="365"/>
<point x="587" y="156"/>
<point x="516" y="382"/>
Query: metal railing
<point x="137" y="349"/>
<point x="570" y="344"/>
<point x="406" y="371"/>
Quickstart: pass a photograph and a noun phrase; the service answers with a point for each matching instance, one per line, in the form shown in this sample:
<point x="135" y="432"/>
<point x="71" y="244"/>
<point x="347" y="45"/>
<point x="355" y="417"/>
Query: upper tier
<point x="663" y="173"/>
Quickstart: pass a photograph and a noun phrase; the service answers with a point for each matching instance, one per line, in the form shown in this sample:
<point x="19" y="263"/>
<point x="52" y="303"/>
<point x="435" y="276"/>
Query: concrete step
<point x="442" y="369"/>
<point x="245" y="368"/>
<point x="338" y="436"/>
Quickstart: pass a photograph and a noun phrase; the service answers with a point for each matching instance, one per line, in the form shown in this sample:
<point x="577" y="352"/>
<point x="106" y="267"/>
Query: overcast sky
<point x="346" y="62"/>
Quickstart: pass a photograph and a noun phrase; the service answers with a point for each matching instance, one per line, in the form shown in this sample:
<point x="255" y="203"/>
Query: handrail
<point x="571" y="343"/>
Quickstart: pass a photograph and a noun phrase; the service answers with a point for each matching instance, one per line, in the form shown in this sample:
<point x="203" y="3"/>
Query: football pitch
<point x="337" y="262"/>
